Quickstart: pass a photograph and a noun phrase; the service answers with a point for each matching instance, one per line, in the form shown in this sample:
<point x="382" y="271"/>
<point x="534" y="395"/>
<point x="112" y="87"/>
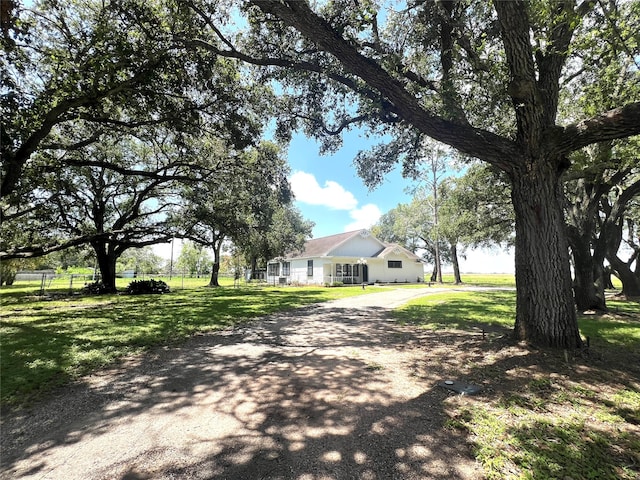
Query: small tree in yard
<point x="230" y="204"/>
<point x="193" y="258"/>
<point x="285" y="231"/>
<point x="476" y="211"/>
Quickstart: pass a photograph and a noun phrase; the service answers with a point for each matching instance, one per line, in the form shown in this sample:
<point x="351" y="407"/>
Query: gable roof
<point x="397" y="249"/>
<point x="323" y="246"/>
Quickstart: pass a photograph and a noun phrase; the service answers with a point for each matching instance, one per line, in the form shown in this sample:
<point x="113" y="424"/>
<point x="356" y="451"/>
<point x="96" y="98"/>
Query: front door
<point x="365" y="274"/>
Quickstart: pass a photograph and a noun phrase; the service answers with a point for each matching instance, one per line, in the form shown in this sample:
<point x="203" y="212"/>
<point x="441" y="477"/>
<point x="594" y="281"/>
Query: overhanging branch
<point x="476" y="142"/>
<point x="620" y="122"/>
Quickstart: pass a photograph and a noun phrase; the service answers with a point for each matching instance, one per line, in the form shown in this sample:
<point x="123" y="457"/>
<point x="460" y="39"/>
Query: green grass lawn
<point x="483" y="280"/>
<point x="466" y="310"/>
<point x="46" y="341"/>
<point x="65" y="284"/>
<point x="548" y="414"/>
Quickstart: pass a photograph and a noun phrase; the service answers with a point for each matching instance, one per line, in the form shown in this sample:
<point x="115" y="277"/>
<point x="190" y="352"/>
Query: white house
<point x="351" y="257"/>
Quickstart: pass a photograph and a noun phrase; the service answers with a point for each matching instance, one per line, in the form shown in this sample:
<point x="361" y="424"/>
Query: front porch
<point x="346" y="273"/>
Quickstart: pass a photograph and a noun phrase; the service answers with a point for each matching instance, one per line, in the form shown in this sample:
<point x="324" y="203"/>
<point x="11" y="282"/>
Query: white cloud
<point x="363" y="217"/>
<point x="333" y="195"/>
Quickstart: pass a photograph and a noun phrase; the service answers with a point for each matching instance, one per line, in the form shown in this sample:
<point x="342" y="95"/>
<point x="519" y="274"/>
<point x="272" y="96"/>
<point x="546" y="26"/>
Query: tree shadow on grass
<point x="315" y="393"/>
<point x="46" y="344"/>
<point x="547" y="414"/>
<point x="281" y="398"/>
<point x="482" y="309"/>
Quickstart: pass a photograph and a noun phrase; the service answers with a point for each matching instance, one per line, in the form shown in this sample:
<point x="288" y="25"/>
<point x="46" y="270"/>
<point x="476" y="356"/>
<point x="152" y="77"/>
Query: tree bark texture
<point x="588" y="283"/>
<point x="606" y="278"/>
<point x="545" y="312"/>
<point x="456" y="265"/>
<point x="107" y="264"/>
<point x="434" y="274"/>
<point x="215" y="267"/>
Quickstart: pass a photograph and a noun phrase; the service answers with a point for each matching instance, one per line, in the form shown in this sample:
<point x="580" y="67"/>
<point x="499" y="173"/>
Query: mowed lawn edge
<point x="46" y="342"/>
<point x="543" y="414"/>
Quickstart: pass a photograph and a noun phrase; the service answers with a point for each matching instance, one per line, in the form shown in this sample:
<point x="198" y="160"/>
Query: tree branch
<point x="40" y="251"/>
<point x="617" y="123"/>
<point x="15" y="162"/>
<point x="515" y="28"/>
<point x="159" y="174"/>
<point x="75" y="146"/>
<point x="472" y="141"/>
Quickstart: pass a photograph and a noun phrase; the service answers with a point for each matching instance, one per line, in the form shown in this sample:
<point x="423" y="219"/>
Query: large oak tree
<point x="113" y="209"/>
<point x="79" y="74"/>
<point x="484" y="78"/>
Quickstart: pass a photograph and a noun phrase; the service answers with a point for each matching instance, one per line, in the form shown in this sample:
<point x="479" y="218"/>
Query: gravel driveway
<point x="331" y="391"/>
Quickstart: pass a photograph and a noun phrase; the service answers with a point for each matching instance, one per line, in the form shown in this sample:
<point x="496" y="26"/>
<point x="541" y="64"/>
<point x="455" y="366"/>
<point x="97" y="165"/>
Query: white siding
<point x="357" y="247"/>
<point x="379" y="270"/>
<point x="350" y="252"/>
<point x="410" y="272"/>
<point x="299" y="272"/>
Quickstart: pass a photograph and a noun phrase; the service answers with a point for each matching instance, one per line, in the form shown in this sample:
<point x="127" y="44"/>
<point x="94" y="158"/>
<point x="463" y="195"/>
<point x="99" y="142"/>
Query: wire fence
<point x="49" y="281"/>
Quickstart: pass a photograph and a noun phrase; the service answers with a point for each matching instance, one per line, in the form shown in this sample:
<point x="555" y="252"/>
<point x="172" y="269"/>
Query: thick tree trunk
<point x="107" y="264"/>
<point x="456" y="266"/>
<point x="545" y="311"/>
<point x="254" y="267"/>
<point x="434" y="274"/>
<point x="215" y="268"/>
<point x="438" y="266"/>
<point x="588" y="286"/>
<point x="606" y="278"/>
<point x="630" y="280"/>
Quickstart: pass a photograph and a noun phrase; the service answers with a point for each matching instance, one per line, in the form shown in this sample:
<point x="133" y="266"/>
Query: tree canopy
<point x="484" y="78"/>
<point x="492" y="80"/>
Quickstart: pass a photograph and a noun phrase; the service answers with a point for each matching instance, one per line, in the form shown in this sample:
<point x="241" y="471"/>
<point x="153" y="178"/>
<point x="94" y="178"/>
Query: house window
<point x="338" y="270"/>
<point x="309" y="268"/>
<point x="286" y="269"/>
<point x="347" y="270"/>
<point x="394" y="263"/>
<point x="273" y="269"/>
<point x="356" y="270"/>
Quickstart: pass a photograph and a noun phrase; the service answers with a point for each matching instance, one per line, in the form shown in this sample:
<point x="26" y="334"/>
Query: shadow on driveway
<point x="323" y="392"/>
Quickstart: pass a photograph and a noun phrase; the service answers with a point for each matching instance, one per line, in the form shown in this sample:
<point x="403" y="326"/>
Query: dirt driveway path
<point x="331" y="391"/>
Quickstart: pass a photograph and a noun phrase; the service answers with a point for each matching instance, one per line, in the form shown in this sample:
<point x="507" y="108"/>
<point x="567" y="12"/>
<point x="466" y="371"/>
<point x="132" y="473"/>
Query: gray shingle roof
<point x="320" y="247"/>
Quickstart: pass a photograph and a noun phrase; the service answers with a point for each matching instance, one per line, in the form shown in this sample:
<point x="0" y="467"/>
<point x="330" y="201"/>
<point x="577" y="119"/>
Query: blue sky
<point x="329" y="192"/>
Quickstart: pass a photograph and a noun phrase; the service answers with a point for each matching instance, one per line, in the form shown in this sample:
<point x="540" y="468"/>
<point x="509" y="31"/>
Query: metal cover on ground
<point x="460" y="387"/>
